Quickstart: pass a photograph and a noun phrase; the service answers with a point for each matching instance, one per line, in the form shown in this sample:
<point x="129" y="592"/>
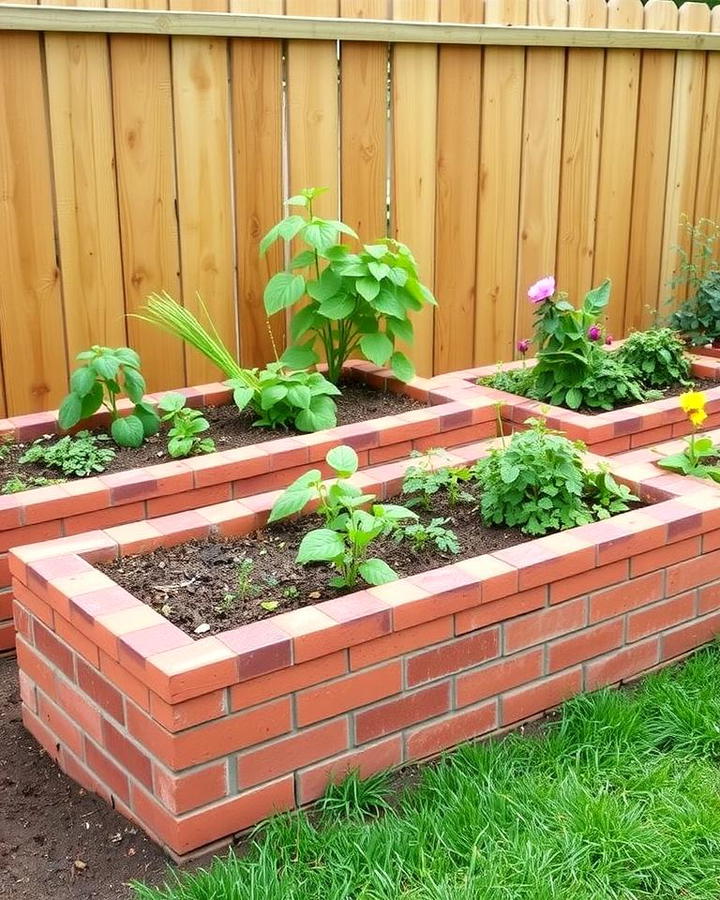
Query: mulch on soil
<point x="228" y="428"/>
<point x="195" y="584"/>
<point x="57" y="842"/>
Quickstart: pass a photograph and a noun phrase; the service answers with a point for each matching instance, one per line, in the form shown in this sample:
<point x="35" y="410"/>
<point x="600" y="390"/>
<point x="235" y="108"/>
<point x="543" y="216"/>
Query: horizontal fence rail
<point x="147" y="145"/>
<point x="245" y="25"/>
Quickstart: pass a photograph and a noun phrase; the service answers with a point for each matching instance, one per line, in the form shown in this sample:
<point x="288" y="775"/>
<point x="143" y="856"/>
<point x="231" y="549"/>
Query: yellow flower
<point x="692" y="401"/>
<point x="697" y="416"/>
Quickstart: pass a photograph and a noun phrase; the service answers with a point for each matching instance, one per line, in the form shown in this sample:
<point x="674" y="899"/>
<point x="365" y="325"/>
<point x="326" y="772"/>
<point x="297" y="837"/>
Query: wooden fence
<point x="134" y="162"/>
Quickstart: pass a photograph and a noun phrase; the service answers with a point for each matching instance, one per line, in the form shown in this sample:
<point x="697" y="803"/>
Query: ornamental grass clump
<point x="538" y="483"/>
<point x="696" y="459"/>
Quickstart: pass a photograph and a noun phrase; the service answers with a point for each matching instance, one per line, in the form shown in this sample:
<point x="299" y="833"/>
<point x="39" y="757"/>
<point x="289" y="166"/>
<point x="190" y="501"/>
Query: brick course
<point x="196" y="741"/>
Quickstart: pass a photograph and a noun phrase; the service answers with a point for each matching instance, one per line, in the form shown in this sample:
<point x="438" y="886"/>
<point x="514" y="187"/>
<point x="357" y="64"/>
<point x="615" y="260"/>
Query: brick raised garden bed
<point x="196" y="740"/>
<point x="113" y="499"/>
<point x="605" y="433"/>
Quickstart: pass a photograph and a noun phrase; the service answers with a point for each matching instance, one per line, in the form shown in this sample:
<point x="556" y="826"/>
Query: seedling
<point x="427" y="478"/>
<point x="421" y="535"/>
<point x="245" y="588"/>
<point x="349" y="530"/>
<point x="186" y="426"/>
<point x="79" y="455"/>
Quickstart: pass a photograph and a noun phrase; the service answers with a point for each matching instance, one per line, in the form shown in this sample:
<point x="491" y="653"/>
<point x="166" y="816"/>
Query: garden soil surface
<point x="229" y="429"/>
<point x="195" y="584"/>
<point x="57" y="842"/>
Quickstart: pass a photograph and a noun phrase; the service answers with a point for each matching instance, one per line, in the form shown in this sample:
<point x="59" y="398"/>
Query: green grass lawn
<point x="620" y="798"/>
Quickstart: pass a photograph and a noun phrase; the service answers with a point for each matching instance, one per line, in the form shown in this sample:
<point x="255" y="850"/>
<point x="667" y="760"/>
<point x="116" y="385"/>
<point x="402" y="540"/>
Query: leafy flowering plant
<point x="696" y="458"/>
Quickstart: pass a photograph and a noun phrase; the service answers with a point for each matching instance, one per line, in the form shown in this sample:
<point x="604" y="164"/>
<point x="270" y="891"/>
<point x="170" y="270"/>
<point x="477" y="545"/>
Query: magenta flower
<point x="523" y="346"/>
<point x="594" y="333"/>
<point x="542" y="289"/>
<point x="609" y="340"/>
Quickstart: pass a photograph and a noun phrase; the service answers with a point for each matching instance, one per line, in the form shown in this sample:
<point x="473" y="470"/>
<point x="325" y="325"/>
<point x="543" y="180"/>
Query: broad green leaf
<point x="303" y="259"/>
<point x="289" y="503"/>
<point x="134" y="385"/>
<point x="344" y="460"/>
<point x="302" y="321"/>
<point x="354" y="268"/>
<point x="325" y="287"/>
<point x="272" y="395"/>
<point x="171" y="403"/>
<point x="127" y="431"/>
<point x="307" y="479"/>
<point x="394" y="511"/>
<point x="376" y="571"/>
<point x="320" y="234"/>
<point x="299" y="356"/>
<point x="338" y="307"/>
<point x="376" y="250"/>
<point x="598" y="298"/>
<point x="282" y="291"/>
<point x="378" y="270"/>
<point x="128" y="357"/>
<point x="321" y="545"/>
<point x="368" y="288"/>
<point x="269" y="239"/>
<point x="376" y="347"/>
<point x="574" y="398"/>
<point x="288" y="228"/>
<point x="401" y="329"/>
<point x="241" y="395"/>
<point x="399" y="276"/>
<point x="389" y="303"/>
<point x="82" y="381"/>
<point x="297" y="200"/>
<point x="342" y="227"/>
<point x="336" y="253"/>
<point x="92" y="402"/>
<point x="106" y="366"/>
<point x="148" y="418"/>
<point x="320" y="414"/>
<point x="70" y="411"/>
<point x="299" y="395"/>
<point x="402" y="367"/>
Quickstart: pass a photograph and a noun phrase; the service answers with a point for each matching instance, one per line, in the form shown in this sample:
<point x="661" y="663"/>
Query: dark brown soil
<point x="57" y="842"/>
<point x="195" y="584"/>
<point x="228" y="428"/>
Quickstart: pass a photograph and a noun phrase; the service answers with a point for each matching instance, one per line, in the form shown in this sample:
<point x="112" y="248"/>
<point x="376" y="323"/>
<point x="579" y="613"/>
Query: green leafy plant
<point x="17" y="483"/>
<point x="428" y="477"/>
<point x="693" y="460"/>
<point x="355" y="302"/>
<point x="422" y="535"/>
<point x="104" y="376"/>
<point x="79" y="455"/>
<point x="657" y="356"/>
<point x="538" y="482"/>
<point x="698" y="272"/>
<point x="278" y="396"/>
<point x="245" y="587"/>
<point x="186" y="427"/>
<point x="348" y="530"/>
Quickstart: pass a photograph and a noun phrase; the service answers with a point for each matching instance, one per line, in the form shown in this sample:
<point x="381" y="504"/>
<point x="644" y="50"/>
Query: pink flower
<point x="523" y="346"/>
<point x="542" y="289"/>
<point x="594" y="333"/>
<point x="609" y="340"/>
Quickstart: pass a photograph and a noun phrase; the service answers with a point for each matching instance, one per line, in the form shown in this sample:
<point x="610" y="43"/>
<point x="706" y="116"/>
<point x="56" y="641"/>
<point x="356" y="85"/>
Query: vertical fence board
<point x="313" y="121"/>
<point x="205" y="209"/>
<point x="707" y="201"/>
<point x="257" y="148"/>
<point x="79" y="96"/>
<point x="364" y="125"/>
<point x="458" y="138"/>
<point x="31" y="315"/>
<point x="580" y="154"/>
<point x="686" y="127"/>
<point x="142" y="109"/>
<point x="501" y="136"/>
<point x="414" y="129"/>
<point x="620" y="102"/>
<point x="541" y="159"/>
<point x="651" y="158"/>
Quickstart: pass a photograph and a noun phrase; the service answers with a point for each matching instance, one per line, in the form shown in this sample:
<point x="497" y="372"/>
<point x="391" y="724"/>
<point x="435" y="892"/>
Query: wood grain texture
<point x="458" y="150"/>
<point x="144" y="142"/>
<point x="657" y="76"/>
<point x="205" y="202"/>
<point x="257" y="112"/>
<point x="707" y="200"/>
<point x="619" y="122"/>
<point x="579" y="172"/>
<point x="541" y="160"/>
<point x="364" y="126"/>
<point x="685" y="130"/>
<point x="414" y="134"/>
<point x="501" y="142"/>
<point x="79" y="97"/>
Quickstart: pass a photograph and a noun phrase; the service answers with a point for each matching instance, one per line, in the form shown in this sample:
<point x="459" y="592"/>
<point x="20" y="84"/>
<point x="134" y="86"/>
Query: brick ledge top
<point x="61" y="573"/>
